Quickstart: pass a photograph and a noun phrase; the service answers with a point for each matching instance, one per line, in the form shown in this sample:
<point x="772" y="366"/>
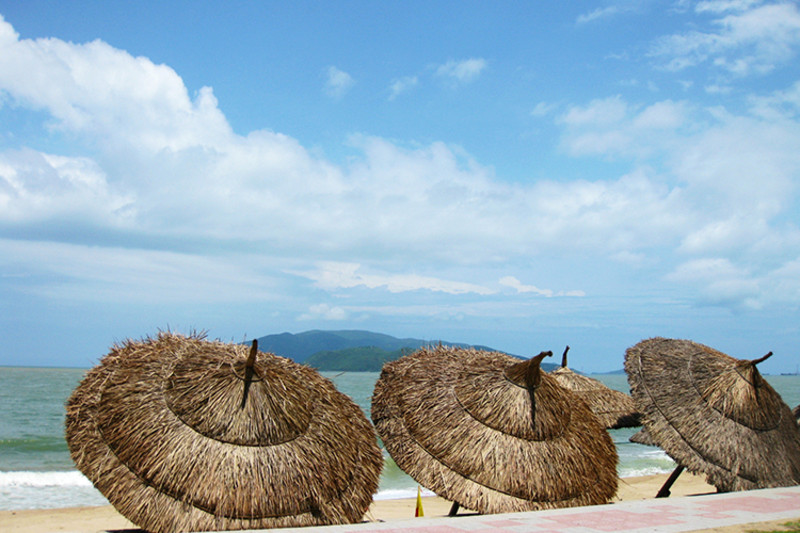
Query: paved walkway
<point x="686" y="513"/>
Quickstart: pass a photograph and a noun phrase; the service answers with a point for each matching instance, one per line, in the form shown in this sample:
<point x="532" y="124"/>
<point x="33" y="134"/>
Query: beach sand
<point x="106" y="518"/>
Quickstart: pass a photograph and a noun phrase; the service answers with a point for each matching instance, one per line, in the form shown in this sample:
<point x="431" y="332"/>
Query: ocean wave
<point x="646" y="471"/>
<point x="43" y="479"/>
<point x="399" y="494"/>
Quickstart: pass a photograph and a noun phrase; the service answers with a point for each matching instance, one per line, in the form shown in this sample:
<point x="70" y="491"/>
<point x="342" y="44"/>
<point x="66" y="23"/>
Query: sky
<point x="520" y="175"/>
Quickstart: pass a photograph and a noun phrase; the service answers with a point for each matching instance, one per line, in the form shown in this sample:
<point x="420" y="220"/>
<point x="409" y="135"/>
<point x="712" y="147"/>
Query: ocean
<point x="37" y="472"/>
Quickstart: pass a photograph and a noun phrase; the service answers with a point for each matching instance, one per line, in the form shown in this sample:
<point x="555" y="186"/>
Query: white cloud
<point x="325" y="312"/>
<point x="601" y="112"/>
<point x="612" y="127"/>
<point x="779" y="105"/>
<point x="74" y="272"/>
<point x="463" y="71"/>
<point x="332" y="276"/>
<point x="401" y="85"/>
<point x="599" y="13"/>
<point x="720" y="282"/>
<point x="720" y="6"/>
<point x="166" y="168"/>
<point x="104" y="92"/>
<point x="543" y="108"/>
<point x="38" y="187"/>
<point x="754" y="40"/>
<point x="514" y="283"/>
<point x="337" y="82"/>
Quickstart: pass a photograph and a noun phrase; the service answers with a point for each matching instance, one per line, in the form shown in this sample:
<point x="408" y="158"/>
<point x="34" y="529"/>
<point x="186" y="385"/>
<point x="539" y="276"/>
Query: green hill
<point x="359" y="359"/>
<point x="300" y="346"/>
<point x="350" y="350"/>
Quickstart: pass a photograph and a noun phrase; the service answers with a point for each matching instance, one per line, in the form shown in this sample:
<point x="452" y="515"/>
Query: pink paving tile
<point x="670" y="508"/>
<point x="714" y="515"/>
<point x="755" y="504"/>
<point x="616" y="520"/>
<point x="506" y="523"/>
<point x="424" y="529"/>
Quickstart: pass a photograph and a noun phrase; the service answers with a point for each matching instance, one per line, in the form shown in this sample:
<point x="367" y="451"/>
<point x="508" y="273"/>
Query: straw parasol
<point x="492" y="433"/>
<point x="613" y="408"/>
<point x="185" y="434"/>
<point x="642" y="437"/>
<point x="714" y="415"/>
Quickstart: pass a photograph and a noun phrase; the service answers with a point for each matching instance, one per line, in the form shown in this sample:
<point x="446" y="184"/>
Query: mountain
<point x="300" y="346"/>
<point x="333" y="348"/>
<point x="610" y="372"/>
<point x="361" y="359"/>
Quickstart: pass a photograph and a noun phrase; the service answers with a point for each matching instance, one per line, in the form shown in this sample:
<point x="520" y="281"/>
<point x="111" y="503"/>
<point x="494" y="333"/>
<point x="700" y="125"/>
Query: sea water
<point x="37" y="472"/>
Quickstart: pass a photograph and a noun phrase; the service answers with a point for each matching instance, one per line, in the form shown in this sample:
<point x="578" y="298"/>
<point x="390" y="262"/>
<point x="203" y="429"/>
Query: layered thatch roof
<point x="613" y="408"/>
<point x="183" y="434"/>
<point x="714" y="415"/>
<point x="642" y="437"/>
<point x="491" y="433"/>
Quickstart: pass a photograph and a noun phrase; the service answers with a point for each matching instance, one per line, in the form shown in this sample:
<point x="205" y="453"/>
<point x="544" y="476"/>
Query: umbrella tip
<point x="249" y="370"/>
<point x="527" y="373"/>
<point x="251" y="359"/>
<point x="761" y="359"/>
<point x="564" y="357"/>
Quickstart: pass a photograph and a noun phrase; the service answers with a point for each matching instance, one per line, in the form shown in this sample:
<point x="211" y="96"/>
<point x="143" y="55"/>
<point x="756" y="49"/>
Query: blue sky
<point x="519" y="175"/>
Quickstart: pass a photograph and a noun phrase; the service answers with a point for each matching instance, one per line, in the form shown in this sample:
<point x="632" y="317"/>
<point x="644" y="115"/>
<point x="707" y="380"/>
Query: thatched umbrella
<point x="714" y="415"/>
<point x="613" y="408"/>
<point x="184" y="434"/>
<point x="492" y="433"/>
<point x="642" y="437"/>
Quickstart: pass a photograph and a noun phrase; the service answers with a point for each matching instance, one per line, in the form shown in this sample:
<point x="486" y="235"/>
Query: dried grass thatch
<point x="184" y="434"/>
<point x="714" y="415"/>
<point x="491" y="433"/>
<point x="613" y="408"/>
<point x="642" y="437"/>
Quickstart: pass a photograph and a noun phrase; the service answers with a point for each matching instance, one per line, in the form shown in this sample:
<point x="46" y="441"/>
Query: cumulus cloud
<point x="325" y="312"/>
<point x="747" y="38"/>
<point x="337" y="82"/>
<point x="332" y="276"/>
<point x="166" y="168"/>
<point x="599" y="13"/>
<point x="36" y="187"/>
<point x="463" y="71"/>
<point x="130" y="99"/>
<point x="720" y="282"/>
<point x="514" y="283"/>
<point x="401" y="85"/>
<point x="542" y="109"/>
<point x="721" y="6"/>
<point x="778" y="105"/>
<point x="78" y="272"/>
<point x="611" y="127"/>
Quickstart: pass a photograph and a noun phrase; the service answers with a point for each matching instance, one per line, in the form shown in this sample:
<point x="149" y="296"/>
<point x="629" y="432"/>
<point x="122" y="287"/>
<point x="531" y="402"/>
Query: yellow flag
<point x="419" y="503"/>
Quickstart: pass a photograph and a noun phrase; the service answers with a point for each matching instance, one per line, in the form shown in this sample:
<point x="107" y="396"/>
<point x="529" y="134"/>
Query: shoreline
<point x="106" y="518"/>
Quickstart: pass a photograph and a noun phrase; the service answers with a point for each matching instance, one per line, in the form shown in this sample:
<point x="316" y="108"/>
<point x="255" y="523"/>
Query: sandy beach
<point x="106" y="518"/>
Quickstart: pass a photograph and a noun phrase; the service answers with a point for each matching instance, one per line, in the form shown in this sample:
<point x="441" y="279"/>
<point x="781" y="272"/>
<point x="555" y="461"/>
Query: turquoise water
<point x="36" y="470"/>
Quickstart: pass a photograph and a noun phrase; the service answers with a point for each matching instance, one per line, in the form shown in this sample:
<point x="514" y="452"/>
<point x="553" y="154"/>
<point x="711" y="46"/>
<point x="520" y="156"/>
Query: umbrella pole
<point x="664" y="491"/>
<point x="453" y="509"/>
<point x="248" y="371"/>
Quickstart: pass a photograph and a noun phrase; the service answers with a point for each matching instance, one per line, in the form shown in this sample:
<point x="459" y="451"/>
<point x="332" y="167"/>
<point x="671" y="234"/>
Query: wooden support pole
<point x="664" y="491"/>
<point x="249" y="369"/>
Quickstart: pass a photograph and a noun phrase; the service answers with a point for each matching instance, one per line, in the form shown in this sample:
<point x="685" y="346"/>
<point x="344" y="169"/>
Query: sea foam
<point x="44" y="479"/>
